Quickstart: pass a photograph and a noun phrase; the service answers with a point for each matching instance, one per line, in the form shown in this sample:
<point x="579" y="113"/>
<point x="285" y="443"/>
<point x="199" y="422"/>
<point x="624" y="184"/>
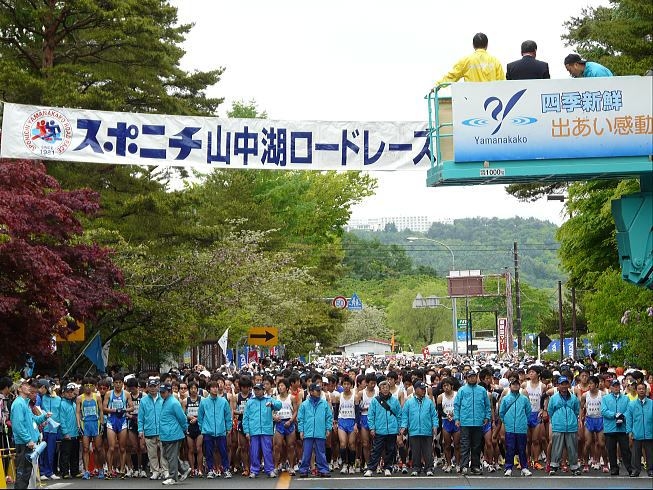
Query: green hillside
<point x="477" y="243"/>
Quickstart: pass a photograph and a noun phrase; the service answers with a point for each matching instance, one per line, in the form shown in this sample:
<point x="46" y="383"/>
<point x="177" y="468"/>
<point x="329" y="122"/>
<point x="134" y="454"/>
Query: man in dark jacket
<point x="528" y="67"/>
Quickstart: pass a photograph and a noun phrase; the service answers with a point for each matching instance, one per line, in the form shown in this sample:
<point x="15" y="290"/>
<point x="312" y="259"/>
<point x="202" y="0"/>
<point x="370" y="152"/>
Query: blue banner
<point x="94" y="352"/>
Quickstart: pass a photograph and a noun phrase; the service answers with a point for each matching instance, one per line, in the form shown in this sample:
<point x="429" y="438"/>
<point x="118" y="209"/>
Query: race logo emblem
<point x="499" y="113"/>
<point x="47" y="133"/>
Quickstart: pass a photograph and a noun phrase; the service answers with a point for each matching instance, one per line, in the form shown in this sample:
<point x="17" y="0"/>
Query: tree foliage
<point x="368" y="323"/>
<point x="622" y="312"/>
<point x="618" y="35"/>
<point x="47" y="270"/>
<point x="112" y="55"/>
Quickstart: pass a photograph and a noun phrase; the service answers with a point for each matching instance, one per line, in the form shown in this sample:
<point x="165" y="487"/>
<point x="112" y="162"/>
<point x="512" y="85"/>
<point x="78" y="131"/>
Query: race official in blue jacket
<point x="564" y="409"/>
<point x="214" y="419"/>
<point x="48" y="401"/>
<point x="383" y="419"/>
<point x="419" y="418"/>
<point x="259" y="429"/>
<point x="314" y="421"/>
<point x="149" y="416"/>
<point x="69" y="450"/>
<point x="172" y="431"/>
<point x="639" y="425"/>
<point x="613" y="409"/>
<point x="514" y="411"/>
<point x="471" y="411"/>
<point x="26" y="435"/>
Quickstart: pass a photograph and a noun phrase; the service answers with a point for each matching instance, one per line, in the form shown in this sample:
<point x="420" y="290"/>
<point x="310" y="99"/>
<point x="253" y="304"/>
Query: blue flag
<point x="94" y="352"/>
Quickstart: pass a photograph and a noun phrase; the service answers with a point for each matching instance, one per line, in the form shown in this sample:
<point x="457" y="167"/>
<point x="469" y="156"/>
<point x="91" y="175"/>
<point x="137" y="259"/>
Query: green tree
<point x="370" y="259"/>
<point x="622" y="312"/>
<point x="618" y="35"/>
<point x="588" y="237"/>
<point x="368" y="323"/>
<point x="111" y="55"/>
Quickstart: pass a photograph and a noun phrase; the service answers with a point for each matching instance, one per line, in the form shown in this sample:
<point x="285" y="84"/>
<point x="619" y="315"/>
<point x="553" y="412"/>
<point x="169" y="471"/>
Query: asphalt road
<point x="439" y="481"/>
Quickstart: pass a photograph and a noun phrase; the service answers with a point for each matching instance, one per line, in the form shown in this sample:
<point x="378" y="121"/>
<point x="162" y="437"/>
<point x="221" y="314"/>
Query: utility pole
<point x="517" y="297"/>
<point x="562" y="332"/>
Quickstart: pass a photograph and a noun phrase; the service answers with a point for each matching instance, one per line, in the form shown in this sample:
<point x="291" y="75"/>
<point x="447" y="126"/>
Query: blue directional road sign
<point x="462" y="335"/>
<point x="354" y="303"/>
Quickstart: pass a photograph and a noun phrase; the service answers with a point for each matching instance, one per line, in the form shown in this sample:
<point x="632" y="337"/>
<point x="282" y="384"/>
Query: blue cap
<point x="563" y="379"/>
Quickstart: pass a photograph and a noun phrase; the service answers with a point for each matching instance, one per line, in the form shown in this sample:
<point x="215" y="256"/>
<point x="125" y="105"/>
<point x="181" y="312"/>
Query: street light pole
<point x="454" y="316"/>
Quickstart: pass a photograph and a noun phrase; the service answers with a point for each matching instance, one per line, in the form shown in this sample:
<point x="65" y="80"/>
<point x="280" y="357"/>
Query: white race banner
<point x="77" y="135"/>
<point x="550" y="119"/>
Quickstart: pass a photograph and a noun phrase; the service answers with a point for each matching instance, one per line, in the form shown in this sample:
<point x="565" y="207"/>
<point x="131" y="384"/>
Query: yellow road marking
<point x="284" y="481"/>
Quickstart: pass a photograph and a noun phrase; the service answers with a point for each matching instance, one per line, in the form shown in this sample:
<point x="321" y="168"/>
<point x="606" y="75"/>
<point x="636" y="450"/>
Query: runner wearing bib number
<point x="89" y="417"/>
<point x="590" y="410"/>
<point x="238" y="408"/>
<point x="451" y="433"/>
<point x="347" y="429"/>
<point x="136" y="463"/>
<point x="117" y="406"/>
<point x="363" y="400"/>
<point x="285" y="428"/>
<point x="194" y="438"/>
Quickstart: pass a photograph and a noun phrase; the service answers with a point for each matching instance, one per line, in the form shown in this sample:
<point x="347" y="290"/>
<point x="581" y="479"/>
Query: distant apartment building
<point x="412" y="223"/>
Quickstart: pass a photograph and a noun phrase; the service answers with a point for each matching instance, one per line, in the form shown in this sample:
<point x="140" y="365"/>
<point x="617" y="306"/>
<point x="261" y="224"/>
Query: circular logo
<point x="339" y="302"/>
<point x="47" y="133"/>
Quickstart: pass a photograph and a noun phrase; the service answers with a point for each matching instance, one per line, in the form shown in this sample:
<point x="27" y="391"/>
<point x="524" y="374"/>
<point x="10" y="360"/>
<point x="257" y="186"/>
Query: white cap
<point x="504" y="382"/>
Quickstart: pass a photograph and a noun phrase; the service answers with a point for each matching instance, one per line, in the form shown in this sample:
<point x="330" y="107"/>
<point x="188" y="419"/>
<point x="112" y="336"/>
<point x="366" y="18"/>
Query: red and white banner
<point x="503" y="334"/>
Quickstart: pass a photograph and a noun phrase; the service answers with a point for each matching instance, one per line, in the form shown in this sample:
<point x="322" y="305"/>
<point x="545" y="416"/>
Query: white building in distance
<point x="413" y="223"/>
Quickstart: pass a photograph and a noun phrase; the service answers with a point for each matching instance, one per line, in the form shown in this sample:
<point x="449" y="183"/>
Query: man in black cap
<point x="471" y="411"/>
<point x="613" y="410"/>
<point x="578" y="67"/>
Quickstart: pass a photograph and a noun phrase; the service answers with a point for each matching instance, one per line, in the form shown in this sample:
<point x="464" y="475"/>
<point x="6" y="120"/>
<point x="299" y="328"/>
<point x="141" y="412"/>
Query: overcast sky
<point x="371" y="60"/>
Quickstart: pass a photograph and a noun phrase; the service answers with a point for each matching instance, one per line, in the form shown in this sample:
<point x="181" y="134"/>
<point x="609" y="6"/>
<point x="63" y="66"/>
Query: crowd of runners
<point x="444" y="415"/>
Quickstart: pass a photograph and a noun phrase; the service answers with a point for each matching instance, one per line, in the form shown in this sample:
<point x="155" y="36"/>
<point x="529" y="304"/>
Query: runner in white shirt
<point x="590" y="414"/>
<point x="347" y="428"/>
<point x="284" y="431"/>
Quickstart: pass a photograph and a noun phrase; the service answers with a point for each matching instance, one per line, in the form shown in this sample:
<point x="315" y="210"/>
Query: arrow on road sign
<point x="267" y="336"/>
<point x="263" y="336"/>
